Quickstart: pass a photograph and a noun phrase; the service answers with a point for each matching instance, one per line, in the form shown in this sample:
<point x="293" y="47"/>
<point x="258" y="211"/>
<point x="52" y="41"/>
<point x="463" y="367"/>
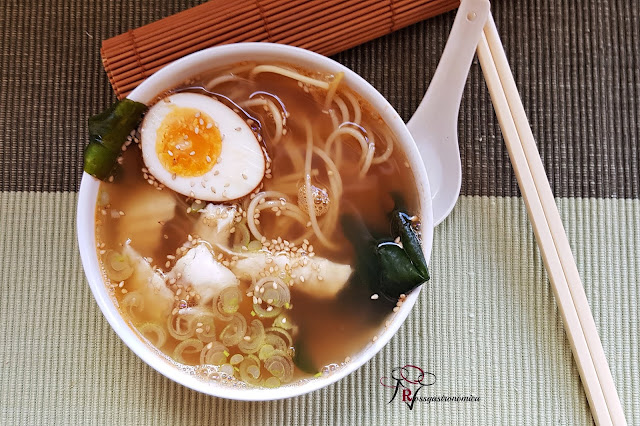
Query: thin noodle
<point x="288" y="209"/>
<point x="336" y="125"/>
<point x="386" y="154"/>
<point x="273" y="109"/>
<point x="356" y="135"/>
<point x="357" y="113"/>
<point x="333" y="87"/>
<point x="277" y="119"/>
<point x="253" y="102"/>
<point x="344" y="110"/>
<point x="335" y="181"/>
<point x="307" y="177"/>
<point x="291" y="74"/>
<point x="220" y="80"/>
<point x="367" y="162"/>
<point x="297" y="160"/>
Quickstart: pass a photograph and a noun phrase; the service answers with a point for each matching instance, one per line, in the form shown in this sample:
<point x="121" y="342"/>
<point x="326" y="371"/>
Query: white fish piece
<point x="319" y="278"/>
<point x="215" y="223"/>
<point x="198" y="269"/>
<point x="149" y="283"/>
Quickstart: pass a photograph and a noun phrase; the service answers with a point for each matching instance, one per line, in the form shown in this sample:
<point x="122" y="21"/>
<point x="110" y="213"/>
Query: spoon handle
<point x="442" y="101"/>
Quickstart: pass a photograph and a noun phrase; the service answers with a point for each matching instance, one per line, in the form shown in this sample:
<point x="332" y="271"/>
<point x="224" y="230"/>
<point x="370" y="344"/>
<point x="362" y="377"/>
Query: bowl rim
<point x="179" y="71"/>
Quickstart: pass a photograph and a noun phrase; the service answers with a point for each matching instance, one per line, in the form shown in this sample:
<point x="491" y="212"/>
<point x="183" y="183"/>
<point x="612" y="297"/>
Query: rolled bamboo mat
<point x="324" y="26"/>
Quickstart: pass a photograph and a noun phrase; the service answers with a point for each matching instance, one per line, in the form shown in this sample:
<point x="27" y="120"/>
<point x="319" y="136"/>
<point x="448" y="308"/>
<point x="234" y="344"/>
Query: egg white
<point x="240" y="166"/>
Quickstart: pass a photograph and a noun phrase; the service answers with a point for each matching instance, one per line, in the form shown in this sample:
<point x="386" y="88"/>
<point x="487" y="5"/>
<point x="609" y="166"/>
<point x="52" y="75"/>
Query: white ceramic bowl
<point x="173" y="75"/>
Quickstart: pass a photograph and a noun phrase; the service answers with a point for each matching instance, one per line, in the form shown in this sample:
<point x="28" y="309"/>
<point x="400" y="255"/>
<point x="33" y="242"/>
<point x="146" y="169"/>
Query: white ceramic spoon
<point x="434" y="125"/>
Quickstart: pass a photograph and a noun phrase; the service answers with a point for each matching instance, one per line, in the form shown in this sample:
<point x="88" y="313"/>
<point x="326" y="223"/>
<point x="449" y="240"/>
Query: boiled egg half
<point x="199" y="147"/>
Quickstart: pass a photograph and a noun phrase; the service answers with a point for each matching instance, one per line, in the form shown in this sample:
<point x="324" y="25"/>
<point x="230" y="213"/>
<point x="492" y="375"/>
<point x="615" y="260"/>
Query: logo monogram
<point x="408" y="381"/>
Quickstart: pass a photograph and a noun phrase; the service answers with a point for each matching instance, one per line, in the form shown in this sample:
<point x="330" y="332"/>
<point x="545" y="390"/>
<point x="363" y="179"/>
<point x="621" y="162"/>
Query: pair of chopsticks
<point x="549" y="231"/>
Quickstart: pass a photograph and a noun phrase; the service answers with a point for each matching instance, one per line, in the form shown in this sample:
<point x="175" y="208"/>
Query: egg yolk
<point x="188" y="142"/>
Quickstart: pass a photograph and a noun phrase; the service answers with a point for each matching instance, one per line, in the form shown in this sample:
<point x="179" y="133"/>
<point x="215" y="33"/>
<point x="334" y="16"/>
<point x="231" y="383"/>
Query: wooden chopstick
<point x="549" y="231"/>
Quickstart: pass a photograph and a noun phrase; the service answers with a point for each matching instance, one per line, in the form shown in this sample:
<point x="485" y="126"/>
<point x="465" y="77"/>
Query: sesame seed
<point x="170" y="153"/>
<point x="216" y="172"/>
<point x="192" y="153"/>
<point x="247" y="338"/>
<point x="198" y="114"/>
<point x="208" y="159"/>
<point x="244" y="176"/>
<point x="374" y="296"/>
<point x="209" y="125"/>
<point x="201" y="122"/>
<point x="196" y="130"/>
<point x="375" y="338"/>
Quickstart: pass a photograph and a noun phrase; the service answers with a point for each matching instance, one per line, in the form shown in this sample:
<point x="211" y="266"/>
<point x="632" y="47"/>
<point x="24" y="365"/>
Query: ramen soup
<point x="257" y="225"/>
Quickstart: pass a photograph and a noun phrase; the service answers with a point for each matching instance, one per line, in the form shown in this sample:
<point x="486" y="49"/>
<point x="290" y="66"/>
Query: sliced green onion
<point x="254" y="246"/>
<point x="133" y="304"/>
<point x="154" y="333"/>
<point x="226" y="369"/>
<point x="181" y="326"/>
<point x="283" y="321"/>
<point x="197" y="205"/>
<point x="214" y="353"/>
<point x="242" y="237"/>
<point x="274" y="293"/>
<point x="187" y="350"/>
<point x="277" y="342"/>
<point x="280" y="366"/>
<point x="117" y="266"/>
<point x="205" y="327"/>
<point x="250" y="370"/>
<point x="256" y="338"/>
<point x="266" y="351"/>
<point x="236" y="359"/>
<point x="229" y="300"/>
<point x="282" y="333"/>
<point x="234" y="332"/>
<point x="272" y="382"/>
